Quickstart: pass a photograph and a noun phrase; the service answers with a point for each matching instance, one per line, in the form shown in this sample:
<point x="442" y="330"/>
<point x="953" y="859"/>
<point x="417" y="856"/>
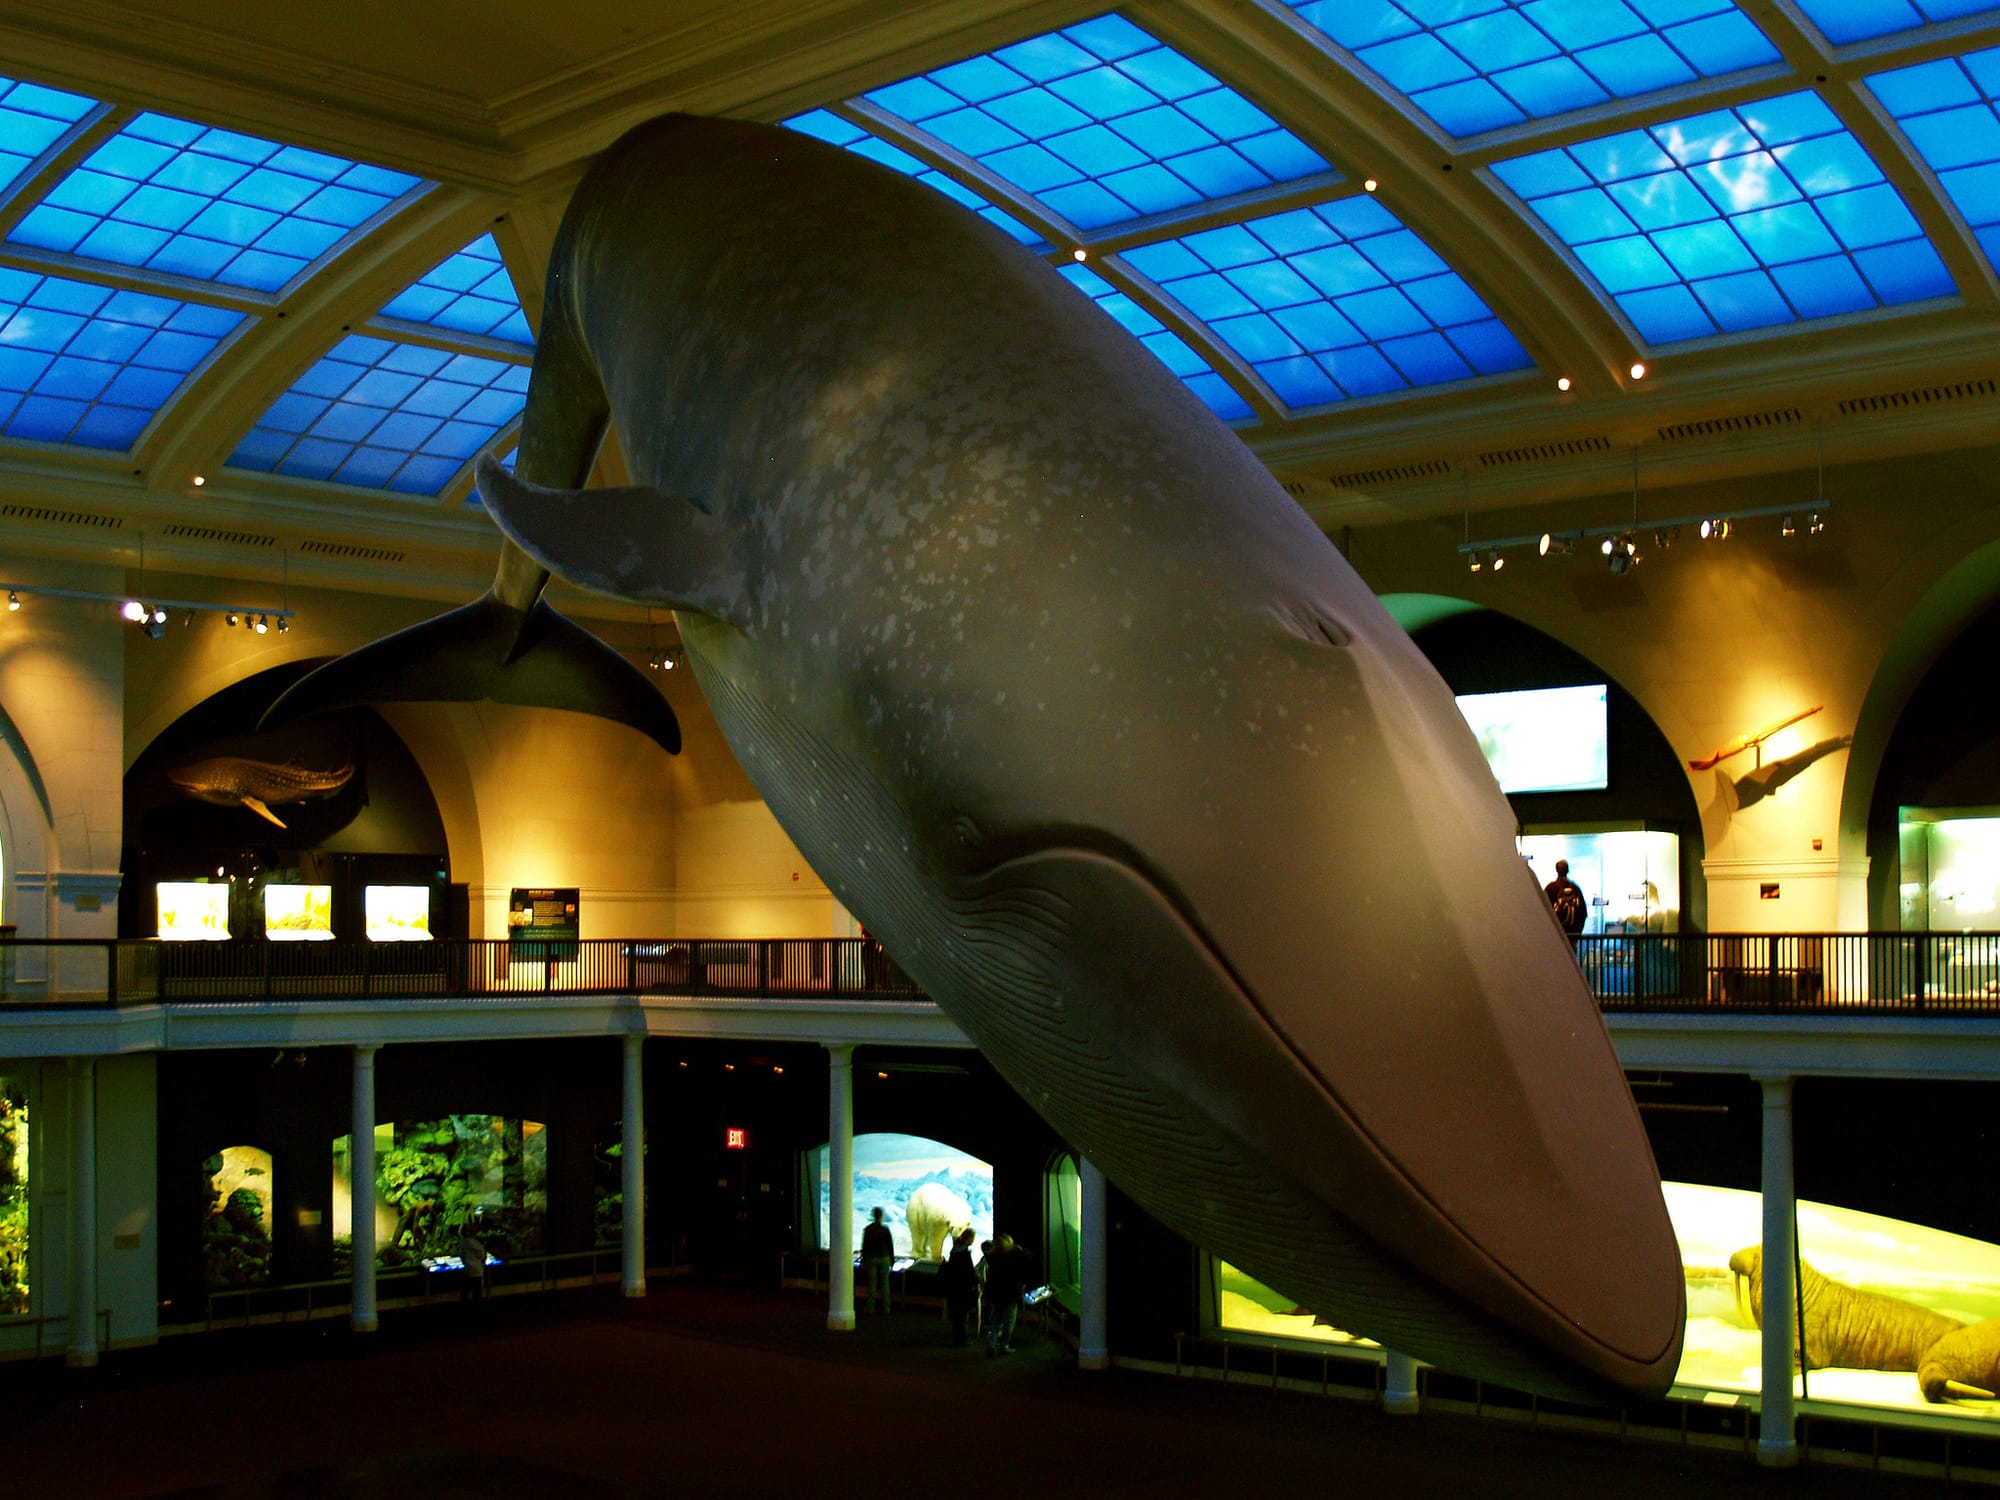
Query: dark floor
<point x="701" y="1391"/>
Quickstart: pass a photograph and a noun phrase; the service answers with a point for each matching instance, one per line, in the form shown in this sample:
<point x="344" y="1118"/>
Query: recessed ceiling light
<point x="1562" y="384"/>
<point x="1638" y="369"/>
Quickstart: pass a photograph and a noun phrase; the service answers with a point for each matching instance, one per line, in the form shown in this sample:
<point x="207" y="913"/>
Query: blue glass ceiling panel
<point x="32" y="119"/>
<point x="831" y="128"/>
<point x="1477" y="65"/>
<point x="1843" y="21"/>
<point x="1946" y="108"/>
<point x="1170" y="348"/>
<point x="385" y="415"/>
<point x="90" y="366"/>
<point x="1333" y="301"/>
<point x="1102" y="124"/>
<point x="184" y="199"/>
<point x="1767" y="214"/>
<point x="469" y="293"/>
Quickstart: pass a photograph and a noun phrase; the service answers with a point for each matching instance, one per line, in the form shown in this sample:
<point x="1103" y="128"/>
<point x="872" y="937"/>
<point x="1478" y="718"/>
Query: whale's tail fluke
<point x="488" y="649"/>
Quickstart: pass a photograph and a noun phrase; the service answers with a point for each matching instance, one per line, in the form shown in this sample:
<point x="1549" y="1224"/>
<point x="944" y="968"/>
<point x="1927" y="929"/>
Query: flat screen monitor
<point x="193" y="910"/>
<point x="1542" y="739"/>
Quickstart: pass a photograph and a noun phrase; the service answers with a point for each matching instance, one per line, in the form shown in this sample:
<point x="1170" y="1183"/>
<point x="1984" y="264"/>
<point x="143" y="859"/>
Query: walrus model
<point x="1081" y="715"/>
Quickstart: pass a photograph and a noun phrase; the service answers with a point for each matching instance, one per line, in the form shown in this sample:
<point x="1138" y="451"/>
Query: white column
<point x="1093" y="1343"/>
<point x="362" y="1160"/>
<point x="633" y="1188"/>
<point x="1399" y="1385"/>
<point x="82" y="1351"/>
<point x="840" y="1188"/>
<point x="1775" y="1445"/>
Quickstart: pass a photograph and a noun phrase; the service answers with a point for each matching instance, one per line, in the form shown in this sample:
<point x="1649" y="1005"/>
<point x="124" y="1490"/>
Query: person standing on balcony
<point x="1566" y="900"/>
<point x="878" y="1256"/>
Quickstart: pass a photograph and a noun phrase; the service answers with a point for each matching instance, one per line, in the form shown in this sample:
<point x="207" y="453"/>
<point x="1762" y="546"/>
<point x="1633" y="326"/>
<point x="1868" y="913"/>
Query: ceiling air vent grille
<point x="1361" y="479"/>
<point x="1929" y="395"/>
<point x="216" y="534"/>
<point x="1714" y="427"/>
<point x="1541" y="453"/>
<point x="47" y="517"/>
<point x="351" y="552"/>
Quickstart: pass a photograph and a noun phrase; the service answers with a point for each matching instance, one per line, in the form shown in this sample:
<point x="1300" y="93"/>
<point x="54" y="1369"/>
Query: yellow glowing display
<point x="397" y="913"/>
<point x="193" y="910"/>
<point x="294" y="913"/>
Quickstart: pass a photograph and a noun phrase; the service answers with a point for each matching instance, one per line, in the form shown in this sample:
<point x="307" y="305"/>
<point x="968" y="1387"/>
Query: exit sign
<point x="735" y="1138"/>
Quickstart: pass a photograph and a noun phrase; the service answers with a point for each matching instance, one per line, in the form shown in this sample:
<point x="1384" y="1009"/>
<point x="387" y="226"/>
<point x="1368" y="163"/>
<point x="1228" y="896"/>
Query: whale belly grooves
<point x="1106" y="1072"/>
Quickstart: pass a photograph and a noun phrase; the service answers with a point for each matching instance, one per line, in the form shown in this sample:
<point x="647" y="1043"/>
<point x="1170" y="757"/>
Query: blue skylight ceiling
<point x="1333" y="302"/>
<point x="1946" y="108"/>
<point x="32" y="119"/>
<point x="91" y="366"/>
<point x="1760" y="216"/>
<point x="470" y="292"/>
<point x="382" y="414"/>
<point x="1844" y="21"/>
<point x="1102" y="124"/>
<point x="831" y="128"/>
<point x="1171" y="349"/>
<point x="1477" y="65"/>
<point x="170" y="196"/>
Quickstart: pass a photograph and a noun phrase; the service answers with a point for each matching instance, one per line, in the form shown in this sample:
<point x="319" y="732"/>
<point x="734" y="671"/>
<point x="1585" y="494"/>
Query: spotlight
<point x="262" y="626"/>
<point x="656" y="661"/>
<point x="1472" y="562"/>
<point x="1609" y="546"/>
<point x="154" y="623"/>
<point x="159" y="615"/>
<point x="229" y="618"/>
<point x="1638" y="370"/>
<point x="1786" y="528"/>
<point x="670" y="660"/>
<point x="1079" y="253"/>
<point x="1666" y="537"/>
<point x="1369" y="184"/>
<point x="13" y="601"/>
<point x="187" y="618"/>
<point x="1563" y="383"/>
<point x="133" y="610"/>
<point x="283" y="625"/>
<point x="1620" y="552"/>
<point x="1715" y="529"/>
<point x="1497" y="561"/>
<point x="1816" y="524"/>
<point x="1552" y="545"/>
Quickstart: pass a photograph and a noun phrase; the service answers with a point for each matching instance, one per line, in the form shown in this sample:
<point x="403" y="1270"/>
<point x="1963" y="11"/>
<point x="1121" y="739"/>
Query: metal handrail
<point x="1820" y="973"/>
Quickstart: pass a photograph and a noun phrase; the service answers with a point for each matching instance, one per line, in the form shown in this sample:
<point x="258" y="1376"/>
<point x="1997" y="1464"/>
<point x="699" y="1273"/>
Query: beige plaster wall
<point x="1716" y="640"/>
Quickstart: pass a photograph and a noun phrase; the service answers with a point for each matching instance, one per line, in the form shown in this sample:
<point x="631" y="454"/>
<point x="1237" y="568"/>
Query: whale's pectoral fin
<point x="488" y="649"/>
<point x="257" y="807"/>
<point x="635" y="542"/>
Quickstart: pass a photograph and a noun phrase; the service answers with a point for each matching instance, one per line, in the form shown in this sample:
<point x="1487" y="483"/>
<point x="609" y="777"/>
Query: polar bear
<point x="935" y="1213"/>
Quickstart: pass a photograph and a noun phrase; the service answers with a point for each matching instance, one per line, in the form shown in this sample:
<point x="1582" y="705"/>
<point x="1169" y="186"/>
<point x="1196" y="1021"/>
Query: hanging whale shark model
<point x="1086" y="721"/>
<point x="233" y="781"/>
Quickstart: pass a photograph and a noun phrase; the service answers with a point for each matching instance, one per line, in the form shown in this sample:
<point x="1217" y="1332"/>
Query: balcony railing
<point x="83" y="972"/>
<point x="1876" y="973"/>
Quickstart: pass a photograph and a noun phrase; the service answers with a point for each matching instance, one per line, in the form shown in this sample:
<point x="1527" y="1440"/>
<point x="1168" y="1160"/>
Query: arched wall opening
<point x="326" y="828"/>
<point x="1645" y="806"/>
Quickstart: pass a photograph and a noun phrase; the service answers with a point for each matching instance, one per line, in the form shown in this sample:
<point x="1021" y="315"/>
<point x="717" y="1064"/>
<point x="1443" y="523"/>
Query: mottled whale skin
<point x="1073" y="707"/>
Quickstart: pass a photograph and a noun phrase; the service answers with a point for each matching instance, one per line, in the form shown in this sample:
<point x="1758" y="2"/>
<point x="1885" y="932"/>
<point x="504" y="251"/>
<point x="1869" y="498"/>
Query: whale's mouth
<point x="1098" y="930"/>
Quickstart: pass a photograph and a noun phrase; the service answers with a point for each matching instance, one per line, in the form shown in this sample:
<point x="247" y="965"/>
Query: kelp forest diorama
<point x="236" y="1230"/>
<point x="435" y="1178"/>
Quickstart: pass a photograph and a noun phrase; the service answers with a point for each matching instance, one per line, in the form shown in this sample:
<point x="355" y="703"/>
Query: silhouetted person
<point x="472" y="1280"/>
<point x="878" y="1256"/>
<point x="1566" y="900"/>
<point x="961" y="1287"/>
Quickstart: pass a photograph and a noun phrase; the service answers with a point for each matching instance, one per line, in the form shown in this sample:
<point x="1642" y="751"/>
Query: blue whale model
<point x="1073" y="707"/>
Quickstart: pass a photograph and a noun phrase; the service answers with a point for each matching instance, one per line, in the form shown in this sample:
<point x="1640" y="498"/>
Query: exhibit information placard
<point x="542" y="924"/>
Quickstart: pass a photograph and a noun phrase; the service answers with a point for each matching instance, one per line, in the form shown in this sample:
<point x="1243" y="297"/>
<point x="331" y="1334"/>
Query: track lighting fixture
<point x="1786" y="528"/>
<point x="1715" y="528"/>
<point x="229" y="619"/>
<point x="1618" y="544"/>
<point x="133" y="610"/>
<point x="262" y="626"/>
<point x="13" y="601"/>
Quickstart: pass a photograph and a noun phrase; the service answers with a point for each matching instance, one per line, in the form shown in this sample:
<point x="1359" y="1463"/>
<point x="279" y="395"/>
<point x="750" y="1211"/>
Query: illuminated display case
<point x="434" y="1177"/>
<point x="1951" y="870"/>
<point x="1631" y="875"/>
<point x="925" y="1188"/>
<point x="193" y="910"/>
<point x="298" y="913"/>
<point x="397" y="913"/>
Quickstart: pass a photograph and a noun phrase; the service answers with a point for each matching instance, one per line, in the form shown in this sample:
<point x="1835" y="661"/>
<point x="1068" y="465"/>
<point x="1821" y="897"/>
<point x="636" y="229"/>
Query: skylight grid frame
<point x="1848" y="22"/>
<point x="197" y="203"/>
<point x="387" y="414"/>
<point x="37" y="124"/>
<point x="1947" y="110"/>
<point x="1333" y="301"/>
<point x="1179" y="349"/>
<point x="468" y="294"/>
<point x="89" y="365"/>
<point x="1478" y="66"/>
<point x="1766" y="214"/>
<point x="1102" y="125"/>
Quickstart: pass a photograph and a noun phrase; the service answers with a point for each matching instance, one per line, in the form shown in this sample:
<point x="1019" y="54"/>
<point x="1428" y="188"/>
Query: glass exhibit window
<point x="435" y="1177"/>
<point x="236" y="1232"/>
<point x="192" y="910"/>
<point x="298" y="913"/>
<point x="1243" y="1304"/>
<point x="14" y="1171"/>
<point x="1630" y="876"/>
<point x="926" y="1189"/>
<point x="396" y="913"/>
<point x="1543" y="739"/>
<point x="1062" y="1230"/>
